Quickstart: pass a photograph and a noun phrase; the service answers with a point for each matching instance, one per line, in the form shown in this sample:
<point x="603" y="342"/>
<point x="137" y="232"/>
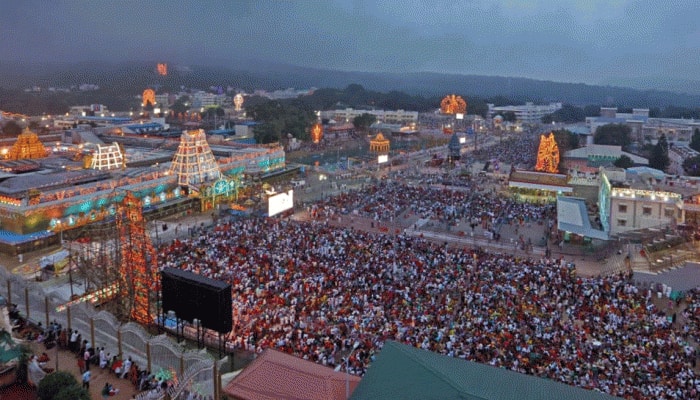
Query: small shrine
<point x="27" y="145"/>
<point x="379" y="144"/>
<point x="194" y="163"/>
<point x="548" y="155"/>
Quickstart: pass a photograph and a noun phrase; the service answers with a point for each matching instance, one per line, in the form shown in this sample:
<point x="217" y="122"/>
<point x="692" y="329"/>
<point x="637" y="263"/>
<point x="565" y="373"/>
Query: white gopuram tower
<point x="194" y="162"/>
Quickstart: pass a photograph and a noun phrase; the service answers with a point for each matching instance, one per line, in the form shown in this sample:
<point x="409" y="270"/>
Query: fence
<point x="196" y="370"/>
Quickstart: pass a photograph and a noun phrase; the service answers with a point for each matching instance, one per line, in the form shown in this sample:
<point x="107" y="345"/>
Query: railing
<point x="102" y="329"/>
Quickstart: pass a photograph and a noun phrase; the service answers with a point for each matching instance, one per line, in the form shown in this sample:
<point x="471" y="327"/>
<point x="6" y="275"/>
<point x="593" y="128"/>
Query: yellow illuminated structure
<point x="238" y="102"/>
<point x="379" y="144"/>
<point x="27" y="146"/>
<point x="316" y="133"/>
<point x="149" y="96"/>
<point x="453" y="104"/>
<point x="162" y="69"/>
<point x="548" y="155"/>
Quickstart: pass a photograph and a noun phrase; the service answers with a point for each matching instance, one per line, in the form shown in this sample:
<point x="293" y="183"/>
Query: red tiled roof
<point x="275" y="375"/>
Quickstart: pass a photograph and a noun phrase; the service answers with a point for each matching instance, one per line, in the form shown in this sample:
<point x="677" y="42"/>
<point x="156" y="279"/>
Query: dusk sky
<point x="589" y="41"/>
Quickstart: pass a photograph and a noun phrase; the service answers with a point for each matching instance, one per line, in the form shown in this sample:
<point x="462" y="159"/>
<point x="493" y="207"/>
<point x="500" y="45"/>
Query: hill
<point x="130" y="78"/>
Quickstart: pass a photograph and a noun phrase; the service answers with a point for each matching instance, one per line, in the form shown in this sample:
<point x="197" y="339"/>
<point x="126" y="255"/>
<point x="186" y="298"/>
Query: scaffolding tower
<point x="138" y="265"/>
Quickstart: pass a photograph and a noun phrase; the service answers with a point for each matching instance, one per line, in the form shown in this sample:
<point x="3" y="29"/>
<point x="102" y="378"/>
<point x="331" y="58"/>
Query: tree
<point x="695" y="141"/>
<point x="659" y="154"/>
<point x="691" y="166"/>
<point x="566" y="140"/>
<point x="212" y="111"/>
<point x="567" y="113"/>
<point x="72" y="393"/>
<point x="613" y="134"/>
<point x="509" y="116"/>
<point x="181" y="105"/>
<point x="364" y="121"/>
<point x="624" y="162"/>
<point x="61" y="385"/>
<point x="22" y="370"/>
<point x="11" y="129"/>
<point x="267" y="132"/>
<point x="278" y="117"/>
<point x="591" y="111"/>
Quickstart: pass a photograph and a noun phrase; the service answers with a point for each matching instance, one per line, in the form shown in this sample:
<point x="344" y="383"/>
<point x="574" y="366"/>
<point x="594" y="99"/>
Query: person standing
<point x="86" y="379"/>
<point x="86" y="357"/>
<point x="81" y="364"/>
<point x="73" y="344"/>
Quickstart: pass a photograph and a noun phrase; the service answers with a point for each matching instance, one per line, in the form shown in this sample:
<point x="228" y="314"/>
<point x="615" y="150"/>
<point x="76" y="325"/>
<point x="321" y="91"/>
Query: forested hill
<point x="131" y="78"/>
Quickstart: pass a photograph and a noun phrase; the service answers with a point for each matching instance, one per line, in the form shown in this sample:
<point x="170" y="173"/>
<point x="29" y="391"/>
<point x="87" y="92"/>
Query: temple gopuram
<point x="44" y="198"/>
<point x="379" y="144"/>
<point x="27" y="146"/>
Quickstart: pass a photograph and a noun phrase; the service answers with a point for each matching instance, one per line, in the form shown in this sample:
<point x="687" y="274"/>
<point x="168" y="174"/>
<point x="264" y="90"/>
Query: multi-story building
<point x="633" y="209"/>
<point x="206" y="99"/>
<point x="676" y="155"/>
<point x="529" y="113"/>
<point x="401" y="117"/>
<point x="644" y="128"/>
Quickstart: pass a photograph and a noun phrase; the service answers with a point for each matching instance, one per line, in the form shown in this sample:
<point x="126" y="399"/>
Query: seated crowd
<point x="315" y="291"/>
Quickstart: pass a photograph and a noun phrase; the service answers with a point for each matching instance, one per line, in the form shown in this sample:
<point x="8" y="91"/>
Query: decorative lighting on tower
<point x="162" y="69"/>
<point x="149" y="96"/>
<point x="316" y="133"/>
<point x="548" y="155"/>
<point x="194" y="162"/>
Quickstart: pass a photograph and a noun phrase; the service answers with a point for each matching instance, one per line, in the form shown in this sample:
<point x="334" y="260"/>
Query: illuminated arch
<point x="149" y="96"/>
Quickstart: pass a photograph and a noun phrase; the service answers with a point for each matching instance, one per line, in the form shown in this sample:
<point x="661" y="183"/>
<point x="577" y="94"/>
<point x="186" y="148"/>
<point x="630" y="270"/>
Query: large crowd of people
<point x="519" y="150"/>
<point x="316" y="291"/>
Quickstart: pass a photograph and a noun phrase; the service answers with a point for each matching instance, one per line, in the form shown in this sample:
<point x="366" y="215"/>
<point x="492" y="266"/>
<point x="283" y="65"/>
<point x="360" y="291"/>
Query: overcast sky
<point x="589" y="41"/>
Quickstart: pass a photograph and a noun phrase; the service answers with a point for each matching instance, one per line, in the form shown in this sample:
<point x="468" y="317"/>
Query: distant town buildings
<point x="644" y="128"/>
<point x="289" y="93"/>
<point x="400" y="117"/>
<point x="589" y="159"/>
<point x="529" y="113"/>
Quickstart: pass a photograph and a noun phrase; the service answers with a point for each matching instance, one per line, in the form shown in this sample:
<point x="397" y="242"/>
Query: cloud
<point x="578" y="40"/>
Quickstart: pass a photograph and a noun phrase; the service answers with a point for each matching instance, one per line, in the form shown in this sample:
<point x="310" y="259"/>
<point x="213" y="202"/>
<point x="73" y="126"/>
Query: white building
<point x="644" y="128"/>
<point x="206" y="99"/>
<point x="676" y="155"/>
<point x="529" y="113"/>
<point x="400" y="117"/>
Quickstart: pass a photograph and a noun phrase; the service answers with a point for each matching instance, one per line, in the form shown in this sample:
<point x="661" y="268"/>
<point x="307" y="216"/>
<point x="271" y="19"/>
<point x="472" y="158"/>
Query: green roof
<point x="405" y="372"/>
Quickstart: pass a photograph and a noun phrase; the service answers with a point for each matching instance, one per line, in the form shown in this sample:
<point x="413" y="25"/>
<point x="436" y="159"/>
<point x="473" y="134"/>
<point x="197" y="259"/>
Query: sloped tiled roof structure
<point x="405" y="372"/>
<point x="275" y="375"/>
